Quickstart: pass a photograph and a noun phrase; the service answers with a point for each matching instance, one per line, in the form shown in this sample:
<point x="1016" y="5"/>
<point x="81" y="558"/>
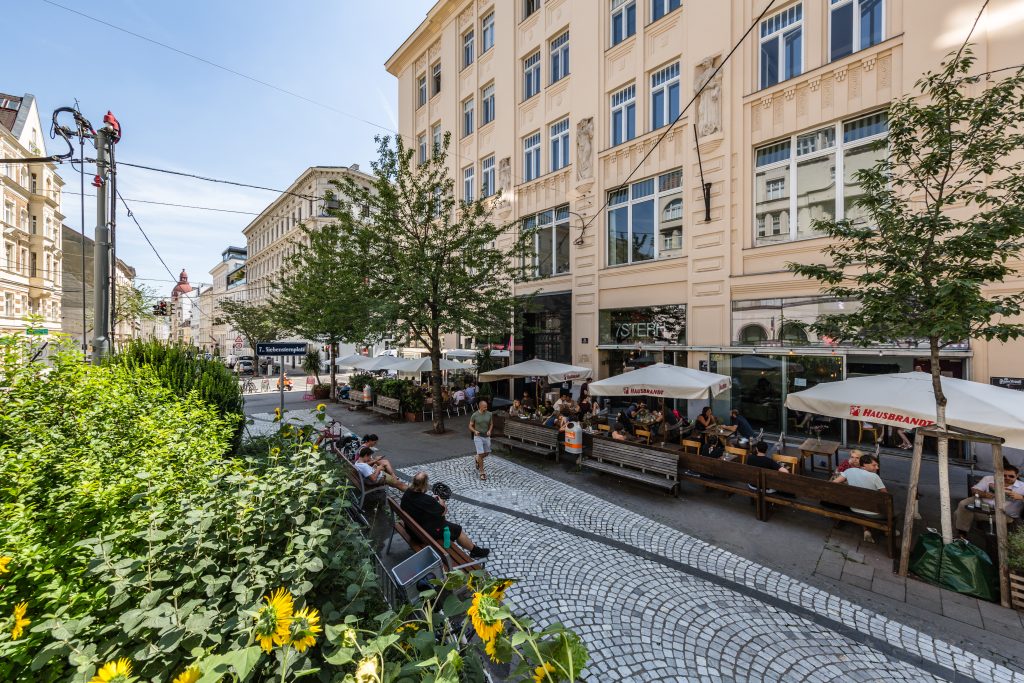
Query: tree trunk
<point x="945" y="514"/>
<point x="334" y="381"/>
<point x="435" y="380"/>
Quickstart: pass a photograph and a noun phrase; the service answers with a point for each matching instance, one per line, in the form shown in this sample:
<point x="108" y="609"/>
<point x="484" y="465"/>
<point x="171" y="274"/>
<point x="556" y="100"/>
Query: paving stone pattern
<point x="655" y="604"/>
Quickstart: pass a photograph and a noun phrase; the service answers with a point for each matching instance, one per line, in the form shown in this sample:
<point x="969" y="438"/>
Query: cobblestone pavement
<point x="655" y="604"/>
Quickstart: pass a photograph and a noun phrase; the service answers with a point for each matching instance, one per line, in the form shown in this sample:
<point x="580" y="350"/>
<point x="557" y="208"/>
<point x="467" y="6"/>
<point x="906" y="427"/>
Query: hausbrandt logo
<point x="647" y="391"/>
<point x="871" y="413"/>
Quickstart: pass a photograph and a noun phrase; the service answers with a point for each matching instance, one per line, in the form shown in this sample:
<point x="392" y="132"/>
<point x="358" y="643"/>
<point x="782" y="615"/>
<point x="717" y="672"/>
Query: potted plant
<point x="1015" y="552"/>
<point x="321" y="391"/>
<point x="412" y="401"/>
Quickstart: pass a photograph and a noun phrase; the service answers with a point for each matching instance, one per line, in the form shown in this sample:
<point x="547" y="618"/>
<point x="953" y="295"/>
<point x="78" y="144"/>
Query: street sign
<point x="238" y="340"/>
<point x="280" y="349"/>
<point x="36" y="330"/>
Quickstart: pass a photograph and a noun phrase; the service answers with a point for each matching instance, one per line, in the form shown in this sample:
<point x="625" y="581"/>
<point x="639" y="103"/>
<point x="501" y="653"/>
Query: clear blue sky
<point x="181" y="114"/>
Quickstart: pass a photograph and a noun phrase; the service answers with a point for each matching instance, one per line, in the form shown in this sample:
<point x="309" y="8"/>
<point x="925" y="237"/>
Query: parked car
<point x="244" y="367"/>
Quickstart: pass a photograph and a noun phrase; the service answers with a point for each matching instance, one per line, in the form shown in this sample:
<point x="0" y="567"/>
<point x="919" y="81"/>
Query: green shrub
<point x="1016" y="550"/>
<point x="360" y="380"/>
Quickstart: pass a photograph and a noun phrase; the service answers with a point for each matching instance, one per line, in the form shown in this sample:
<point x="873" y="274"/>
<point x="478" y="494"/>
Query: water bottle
<point x="977" y="502"/>
<point x="447" y="537"/>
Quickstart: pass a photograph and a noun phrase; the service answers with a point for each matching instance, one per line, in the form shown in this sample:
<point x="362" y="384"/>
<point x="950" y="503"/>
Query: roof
<point x="436" y="17"/>
<point x="9" y="113"/>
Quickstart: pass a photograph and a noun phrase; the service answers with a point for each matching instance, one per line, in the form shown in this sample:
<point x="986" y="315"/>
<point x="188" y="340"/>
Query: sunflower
<point x="304" y="627"/>
<point x="277" y="414"/>
<point x="367" y="671"/>
<point x="4" y="561"/>
<point x="20" y="622"/>
<point x="273" y="621"/>
<point x="541" y="672"/>
<point x="484" y="605"/>
<point x="320" y="407"/>
<point x="491" y="648"/>
<point x="117" y="671"/>
<point x="189" y="675"/>
<point x="275" y="451"/>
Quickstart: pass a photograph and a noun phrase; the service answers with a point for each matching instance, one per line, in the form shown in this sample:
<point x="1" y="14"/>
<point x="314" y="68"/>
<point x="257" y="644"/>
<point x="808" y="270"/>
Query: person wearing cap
<point x="377" y="472"/>
<point x="429" y="512"/>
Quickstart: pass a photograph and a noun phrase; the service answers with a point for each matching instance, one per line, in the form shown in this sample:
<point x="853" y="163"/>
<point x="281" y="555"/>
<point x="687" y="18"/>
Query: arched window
<point x="673" y="211"/>
<point x="793" y="333"/>
<point x="753" y="334"/>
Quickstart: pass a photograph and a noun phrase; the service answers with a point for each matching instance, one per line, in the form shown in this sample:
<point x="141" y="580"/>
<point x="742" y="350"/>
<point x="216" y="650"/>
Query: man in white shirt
<point x="865" y="477"/>
<point x="378" y="473"/>
<point x="985" y="489"/>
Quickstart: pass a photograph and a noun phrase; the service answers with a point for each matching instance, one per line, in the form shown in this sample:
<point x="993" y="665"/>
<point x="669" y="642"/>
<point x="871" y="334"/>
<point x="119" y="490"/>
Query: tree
<point x="317" y="299"/>
<point x="131" y="304"/>
<point x="425" y="264"/>
<point x="946" y="220"/>
<point x="255" y="322"/>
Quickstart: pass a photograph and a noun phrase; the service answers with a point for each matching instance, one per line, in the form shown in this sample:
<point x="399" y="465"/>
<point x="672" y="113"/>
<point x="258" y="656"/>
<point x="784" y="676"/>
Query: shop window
<point x="793" y="333"/>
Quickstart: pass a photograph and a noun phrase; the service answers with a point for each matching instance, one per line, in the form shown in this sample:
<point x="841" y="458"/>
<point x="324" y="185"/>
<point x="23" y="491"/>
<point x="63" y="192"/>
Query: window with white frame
<point x="468" y="48"/>
<point x="487" y="104"/>
<point x="468" y="183"/>
<point x="664" y="96"/>
<point x="487" y="32"/>
<point x="560" y="57"/>
<point x="531" y="75"/>
<point x="623" y="20"/>
<point x="531" y="156"/>
<point x="529" y="7"/>
<point x="468" y="113"/>
<point x="487" y="187"/>
<point x="436" y="139"/>
<point x="560" y="144"/>
<point x="435" y="79"/>
<point x="660" y="8"/>
<point x="421" y="90"/>
<point x="854" y="25"/>
<point x="782" y="46"/>
<point x="645" y="220"/>
<point x="796" y="180"/>
<point x="549" y="231"/>
<point x="421" y="146"/>
<point x="623" y="118"/>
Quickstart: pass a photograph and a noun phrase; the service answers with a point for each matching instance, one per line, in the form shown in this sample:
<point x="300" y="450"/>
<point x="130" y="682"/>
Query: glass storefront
<point x="543" y="330"/>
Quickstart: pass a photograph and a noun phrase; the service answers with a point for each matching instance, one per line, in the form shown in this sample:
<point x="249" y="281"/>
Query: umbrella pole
<point x="908" y="516"/>
<point x="1000" y="513"/>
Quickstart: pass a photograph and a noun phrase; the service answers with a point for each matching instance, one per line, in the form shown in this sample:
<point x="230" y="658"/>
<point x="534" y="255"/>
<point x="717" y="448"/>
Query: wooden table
<point x="813" y="447"/>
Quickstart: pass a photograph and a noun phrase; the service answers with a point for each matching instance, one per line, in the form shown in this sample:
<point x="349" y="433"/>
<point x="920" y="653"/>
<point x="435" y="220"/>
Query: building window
<point x="550" y="231"/>
<point x="531" y="75"/>
<point x="529" y="7"/>
<point x="421" y="144"/>
<point x="468" y="111"/>
<point x="487" y="103"/>
<point x="660" y="8"/>
<point x="665" y="96"/>
<point x="436" y="139"/>
<point x="854" y="25"/>
<point x="623" y="20"/>
<point x="531" y="157"/>
<point x="468" y="49"/>
<point x="782" y="46"/>
<point x="487" y="32"/>
<point x="468" y="181"/>
<point x="487" y="187"/>
<point x="560" y="145"/>
<point x="421" y="90"/>
<point x="624" y="115"/>
<point x="560" y="57"/>
<point x="795" y="180"/>
<point x="435" y="79"/>
<point x="645" y="220"/>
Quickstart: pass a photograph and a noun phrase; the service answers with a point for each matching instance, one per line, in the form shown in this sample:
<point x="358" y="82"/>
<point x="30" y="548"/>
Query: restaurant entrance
<point x="543" y="330"/>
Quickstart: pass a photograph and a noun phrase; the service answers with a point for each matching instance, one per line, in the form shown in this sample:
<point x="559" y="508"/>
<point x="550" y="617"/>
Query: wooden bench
<point x="529" y="437"/>
<point x="387" y="406"/>
<point x="724" y="475"/>
<point x="417" y="538"/>
<point x="647" y="465"/>
<point x="831" y="500"/>
<point x="354" y="403"/>
<point x="361" y="492"/>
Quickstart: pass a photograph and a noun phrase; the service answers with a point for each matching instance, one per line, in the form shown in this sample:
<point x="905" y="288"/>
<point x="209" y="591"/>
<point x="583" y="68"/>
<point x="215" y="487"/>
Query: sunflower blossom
<point x="117" y="671"/>
<point x="491" y="648"/>
<point x="277" y="414"/>
<point x="304" y="627"/>
<point x="541" y="672"/>
<point x="4" y="561"/>
<point x="367" y="671"/>
<point x="189" y="675"/>
<point x="273" y="621"/>
<point x="483" y="606"/>
<point x="320" y="407"/>
<point x="20" y="622"/>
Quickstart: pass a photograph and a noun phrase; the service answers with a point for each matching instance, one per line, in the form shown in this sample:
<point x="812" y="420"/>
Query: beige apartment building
<point x="565" y="106"/>
<point x="72" y="291"/>
<point x="30" y="197"/>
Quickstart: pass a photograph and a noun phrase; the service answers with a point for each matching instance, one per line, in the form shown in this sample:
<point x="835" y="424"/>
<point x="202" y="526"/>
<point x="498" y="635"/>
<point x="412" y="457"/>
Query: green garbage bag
<point x="967" y="569"/>
<point x="926" y="556"/>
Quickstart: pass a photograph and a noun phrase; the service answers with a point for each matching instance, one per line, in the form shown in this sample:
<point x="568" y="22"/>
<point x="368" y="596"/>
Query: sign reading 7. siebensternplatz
<point x="280" y="349"/>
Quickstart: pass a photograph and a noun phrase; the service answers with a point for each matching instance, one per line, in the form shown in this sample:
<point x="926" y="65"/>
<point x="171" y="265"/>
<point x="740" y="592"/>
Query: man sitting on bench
<point x="759" y="458"/>
<point x="428" y="511"/>
<point x="865" y="477"/>
<point x="377" y="471"/>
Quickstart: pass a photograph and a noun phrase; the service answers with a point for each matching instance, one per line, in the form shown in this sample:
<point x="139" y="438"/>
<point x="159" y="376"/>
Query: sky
<point x="181" y="114"/>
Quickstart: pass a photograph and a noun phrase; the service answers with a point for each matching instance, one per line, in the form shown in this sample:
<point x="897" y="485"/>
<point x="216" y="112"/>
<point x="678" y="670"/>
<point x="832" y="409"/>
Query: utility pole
<point x="101" y="256"/>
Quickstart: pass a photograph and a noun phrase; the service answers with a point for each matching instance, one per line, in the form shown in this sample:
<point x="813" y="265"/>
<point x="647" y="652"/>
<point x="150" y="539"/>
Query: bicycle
<point x="248" y="387"/>
<point x="341" y="444"/>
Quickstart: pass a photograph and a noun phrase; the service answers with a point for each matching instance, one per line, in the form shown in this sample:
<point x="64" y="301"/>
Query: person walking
<point x="480" y="424"/>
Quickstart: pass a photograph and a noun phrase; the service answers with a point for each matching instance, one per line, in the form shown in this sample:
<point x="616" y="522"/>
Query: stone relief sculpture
<point x="585" y="149"/>
<point x="709" y="104"/>
<point x="505" y="175"/>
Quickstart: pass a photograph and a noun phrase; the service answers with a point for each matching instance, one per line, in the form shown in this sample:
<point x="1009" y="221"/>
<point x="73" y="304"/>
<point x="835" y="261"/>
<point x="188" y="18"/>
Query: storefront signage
<point x="648" y="325"/>
<point x="871" y="413"/>
<point x="1016" y="383"/>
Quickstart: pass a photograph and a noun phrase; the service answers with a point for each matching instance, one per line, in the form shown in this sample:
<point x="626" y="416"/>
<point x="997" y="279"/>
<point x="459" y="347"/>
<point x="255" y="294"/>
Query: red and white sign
<point x="887" y="416"/>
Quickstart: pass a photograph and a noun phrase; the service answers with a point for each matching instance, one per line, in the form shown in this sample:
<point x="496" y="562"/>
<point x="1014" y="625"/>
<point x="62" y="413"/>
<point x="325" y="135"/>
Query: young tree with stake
<point x="253" y="321"/>
<point x="945" y="224"/>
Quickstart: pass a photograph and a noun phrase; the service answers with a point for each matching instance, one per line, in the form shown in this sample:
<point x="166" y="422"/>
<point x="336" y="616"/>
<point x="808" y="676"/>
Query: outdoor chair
<point x="876" y="432"/>
<point x="790" y="462"/>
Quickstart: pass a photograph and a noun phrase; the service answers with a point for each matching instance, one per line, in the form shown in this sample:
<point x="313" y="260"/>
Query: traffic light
<point x="156" y="309"/>
<point x="163" y="308"/>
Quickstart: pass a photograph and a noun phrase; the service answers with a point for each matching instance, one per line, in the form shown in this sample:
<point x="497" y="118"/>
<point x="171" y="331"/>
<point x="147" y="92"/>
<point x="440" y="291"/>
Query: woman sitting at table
<point x="600" y="408"/>
<point x="619" y="432"/>
<point x="852" y="461"/>
<point x="672" y="425"/>
<point x="584" y="407"/>
<point x="516" y="409"/>
<point x="546" y="410"/>
<point x="706" y="420"/>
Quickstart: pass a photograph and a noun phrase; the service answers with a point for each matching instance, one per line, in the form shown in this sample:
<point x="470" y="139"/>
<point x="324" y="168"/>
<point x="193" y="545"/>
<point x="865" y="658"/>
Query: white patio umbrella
<point x="471" y="354"/>
<point x="662" y="380"/>
<point x="347" y="361"/>
<point x="554" y="372"/>
<point x="906" y="400"/>
<point x="423" y="365"/>
<point x="378" y="363"/>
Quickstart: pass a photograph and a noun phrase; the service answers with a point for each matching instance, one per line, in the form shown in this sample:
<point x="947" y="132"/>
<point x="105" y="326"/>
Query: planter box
<point x="1017" y="590"/>
<point x="412" y="417"/>
<point x="320" y="393"/>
